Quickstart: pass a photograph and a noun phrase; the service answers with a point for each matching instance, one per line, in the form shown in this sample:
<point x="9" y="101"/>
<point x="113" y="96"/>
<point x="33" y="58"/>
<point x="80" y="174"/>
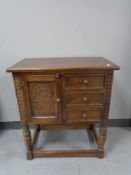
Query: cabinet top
<point x="42" y="64"/>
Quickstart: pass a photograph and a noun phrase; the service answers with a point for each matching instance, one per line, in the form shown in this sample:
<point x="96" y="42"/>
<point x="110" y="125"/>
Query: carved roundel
<point x="43" y="98"/>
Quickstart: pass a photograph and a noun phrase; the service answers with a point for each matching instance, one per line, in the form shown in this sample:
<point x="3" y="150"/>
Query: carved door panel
<point x="43" y="98"/>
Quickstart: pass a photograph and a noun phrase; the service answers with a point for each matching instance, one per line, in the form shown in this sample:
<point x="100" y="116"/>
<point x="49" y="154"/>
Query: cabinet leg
<point x="101" y="141"/>
<point x="27" y="139"/>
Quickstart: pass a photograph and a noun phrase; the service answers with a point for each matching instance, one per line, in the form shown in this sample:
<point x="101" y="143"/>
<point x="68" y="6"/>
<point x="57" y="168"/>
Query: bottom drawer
<point x="83" y="115"/>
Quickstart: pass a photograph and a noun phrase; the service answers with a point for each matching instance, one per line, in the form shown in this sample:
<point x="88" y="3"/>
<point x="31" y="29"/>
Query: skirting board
<point x="112" y="123"/>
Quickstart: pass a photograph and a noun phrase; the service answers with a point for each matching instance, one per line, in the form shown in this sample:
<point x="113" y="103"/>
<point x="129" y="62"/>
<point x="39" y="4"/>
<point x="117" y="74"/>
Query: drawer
<point x="85" y="81"/>
<point x="96" y="99"/>
<point x="83" y="115"/>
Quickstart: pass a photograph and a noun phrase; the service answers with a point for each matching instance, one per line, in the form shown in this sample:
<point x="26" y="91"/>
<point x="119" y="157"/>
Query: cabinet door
<point x="42" y="95"/>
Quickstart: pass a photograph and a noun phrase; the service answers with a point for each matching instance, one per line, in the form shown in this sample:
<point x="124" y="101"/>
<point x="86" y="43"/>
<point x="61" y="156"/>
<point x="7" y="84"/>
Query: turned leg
<point x="101" y="141"/>
<point x="27" y="139"/>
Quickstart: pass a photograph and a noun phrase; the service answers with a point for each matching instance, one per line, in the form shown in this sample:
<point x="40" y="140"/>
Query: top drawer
<point x="86" y="81"/>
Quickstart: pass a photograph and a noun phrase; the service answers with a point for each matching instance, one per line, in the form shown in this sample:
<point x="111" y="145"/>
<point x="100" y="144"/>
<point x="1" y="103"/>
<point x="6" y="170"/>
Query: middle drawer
<point x="95" y="99"/>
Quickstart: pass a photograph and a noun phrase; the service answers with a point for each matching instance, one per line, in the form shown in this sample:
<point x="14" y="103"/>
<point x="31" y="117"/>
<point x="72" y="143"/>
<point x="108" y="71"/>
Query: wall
<point x="47" y="28"/>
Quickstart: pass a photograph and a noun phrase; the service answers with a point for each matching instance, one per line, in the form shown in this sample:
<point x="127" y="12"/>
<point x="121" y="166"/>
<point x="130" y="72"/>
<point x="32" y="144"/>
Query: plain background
<point x="51" y="28"/>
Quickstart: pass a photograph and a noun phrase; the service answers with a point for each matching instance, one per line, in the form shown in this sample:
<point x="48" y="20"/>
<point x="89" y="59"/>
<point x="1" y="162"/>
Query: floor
<point x="117" y="160"/>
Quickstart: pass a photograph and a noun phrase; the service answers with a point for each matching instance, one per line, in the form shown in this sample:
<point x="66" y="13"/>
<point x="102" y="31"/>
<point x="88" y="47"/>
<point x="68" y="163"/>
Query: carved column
<point x="27" y="139"/>
<point x="101" y="141"/>
<point x="108" y="98"/>
<point x="104" y="123"/>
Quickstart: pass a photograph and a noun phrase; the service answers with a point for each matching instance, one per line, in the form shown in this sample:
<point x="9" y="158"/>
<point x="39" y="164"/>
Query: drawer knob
<point x="85" y="81"/>
<point x="57" y="75"/>
<point x="84" y="115"/>
<point x="84" y="98"/>
<point x="58" y="100"/>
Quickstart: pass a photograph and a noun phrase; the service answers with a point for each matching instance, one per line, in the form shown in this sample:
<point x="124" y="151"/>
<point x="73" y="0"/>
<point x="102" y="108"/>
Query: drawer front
<point x="83" y="115"/>
<point x="85" y="81"/>
<point x="95" y="99"/>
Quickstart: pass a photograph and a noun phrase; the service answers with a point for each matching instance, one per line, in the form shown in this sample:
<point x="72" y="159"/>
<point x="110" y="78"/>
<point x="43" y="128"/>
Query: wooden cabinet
<point x="63" y="93"/>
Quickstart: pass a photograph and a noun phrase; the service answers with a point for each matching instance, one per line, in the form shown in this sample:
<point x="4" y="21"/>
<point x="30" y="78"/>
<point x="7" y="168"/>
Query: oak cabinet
<point x="63" y="93"/>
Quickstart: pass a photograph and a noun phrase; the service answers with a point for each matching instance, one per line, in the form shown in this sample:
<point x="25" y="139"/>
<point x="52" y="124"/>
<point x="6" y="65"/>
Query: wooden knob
<point x="84" y="99"/>
<point x="85" y="81"/>
<point x="84" y="115"/>
<point x="57" y="75"/>
<point x="58" y="100"/>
